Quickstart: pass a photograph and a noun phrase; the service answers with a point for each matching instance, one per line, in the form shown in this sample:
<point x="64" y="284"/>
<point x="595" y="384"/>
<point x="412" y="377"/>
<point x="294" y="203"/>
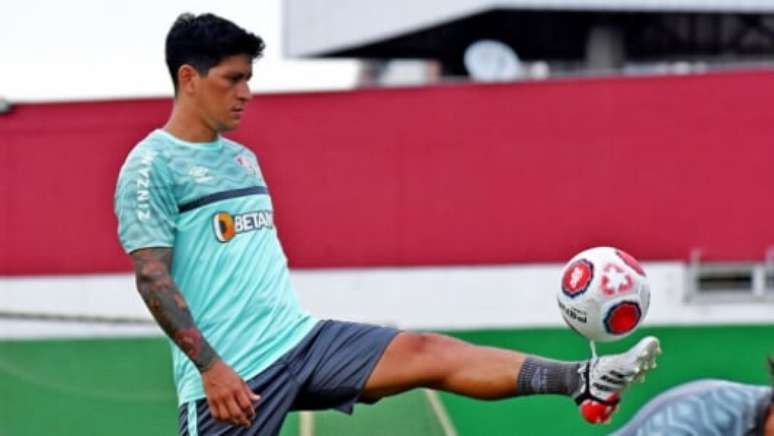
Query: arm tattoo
<point x="152" y="267"/>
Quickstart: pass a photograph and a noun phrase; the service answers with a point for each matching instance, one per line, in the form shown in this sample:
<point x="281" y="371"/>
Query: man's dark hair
<point x="202" y="41"/>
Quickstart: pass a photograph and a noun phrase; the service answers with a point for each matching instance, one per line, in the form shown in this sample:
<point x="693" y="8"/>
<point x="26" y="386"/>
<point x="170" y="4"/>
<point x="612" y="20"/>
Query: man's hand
<point x="229" y="397"/>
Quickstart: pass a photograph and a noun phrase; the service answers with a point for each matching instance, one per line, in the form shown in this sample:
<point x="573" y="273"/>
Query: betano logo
<point x="227" y="226"/>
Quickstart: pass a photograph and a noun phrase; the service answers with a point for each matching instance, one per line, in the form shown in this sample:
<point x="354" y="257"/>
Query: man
<point x="707" y="407"/>
<point x="195" y="216"/>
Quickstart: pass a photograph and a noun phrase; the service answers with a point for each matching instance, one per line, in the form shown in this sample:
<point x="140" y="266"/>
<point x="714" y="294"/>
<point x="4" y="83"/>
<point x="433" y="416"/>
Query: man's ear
<point x="186" y="78"/>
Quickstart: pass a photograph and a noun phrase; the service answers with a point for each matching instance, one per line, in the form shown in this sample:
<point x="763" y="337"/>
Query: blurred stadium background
<point x="460" y="152"/>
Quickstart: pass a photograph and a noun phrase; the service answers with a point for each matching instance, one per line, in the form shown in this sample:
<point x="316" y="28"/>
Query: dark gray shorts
<point x="326" y="370"/>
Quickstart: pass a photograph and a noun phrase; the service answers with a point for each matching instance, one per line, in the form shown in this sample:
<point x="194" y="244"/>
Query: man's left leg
<point x="440" y="362"/>
<point x="435" y="361"/>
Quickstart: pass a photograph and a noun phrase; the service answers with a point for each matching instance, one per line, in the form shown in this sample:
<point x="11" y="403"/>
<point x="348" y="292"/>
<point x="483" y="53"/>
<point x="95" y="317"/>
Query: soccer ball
<point x="604" y="294"/>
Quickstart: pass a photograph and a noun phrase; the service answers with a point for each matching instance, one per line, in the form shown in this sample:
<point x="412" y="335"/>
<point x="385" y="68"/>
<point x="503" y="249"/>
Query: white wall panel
<point x="413" y="298"/>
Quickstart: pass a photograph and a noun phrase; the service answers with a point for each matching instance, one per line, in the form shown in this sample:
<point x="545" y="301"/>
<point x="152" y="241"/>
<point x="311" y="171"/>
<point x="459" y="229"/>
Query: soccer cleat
<point x="604" y="378"/>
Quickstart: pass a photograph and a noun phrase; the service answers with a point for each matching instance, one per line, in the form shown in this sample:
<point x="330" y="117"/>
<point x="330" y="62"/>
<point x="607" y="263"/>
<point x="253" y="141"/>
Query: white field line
<point x="306" y="424"/>
<point x="440" y="412"/>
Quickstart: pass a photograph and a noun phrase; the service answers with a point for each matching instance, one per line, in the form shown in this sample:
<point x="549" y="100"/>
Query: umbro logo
<point x="200" y="174"/>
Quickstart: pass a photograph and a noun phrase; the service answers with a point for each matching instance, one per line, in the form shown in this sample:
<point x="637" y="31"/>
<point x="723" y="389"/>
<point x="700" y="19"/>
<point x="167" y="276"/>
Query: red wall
<point x="448" y="175"/>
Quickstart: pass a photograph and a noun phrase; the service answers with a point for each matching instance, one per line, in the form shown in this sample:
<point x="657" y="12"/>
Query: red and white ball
<point x="604" y="294"/>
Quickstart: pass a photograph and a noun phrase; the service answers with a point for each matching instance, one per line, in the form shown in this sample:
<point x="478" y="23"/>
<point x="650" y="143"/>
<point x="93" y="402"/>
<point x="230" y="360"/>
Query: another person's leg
<point x="768" y="425"/>
<point x="429" y="360"/>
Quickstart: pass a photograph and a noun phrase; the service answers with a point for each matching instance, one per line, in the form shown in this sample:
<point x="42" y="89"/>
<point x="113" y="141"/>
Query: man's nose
<point x="243" y="92"/>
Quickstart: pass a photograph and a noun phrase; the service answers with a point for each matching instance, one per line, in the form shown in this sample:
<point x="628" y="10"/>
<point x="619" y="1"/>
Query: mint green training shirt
<point x="209" y="202"/>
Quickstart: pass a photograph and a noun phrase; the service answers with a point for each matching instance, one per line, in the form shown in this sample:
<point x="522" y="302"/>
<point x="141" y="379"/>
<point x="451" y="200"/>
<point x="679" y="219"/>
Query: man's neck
<point x="768" y="426"/>
<point x="185" y="125"/>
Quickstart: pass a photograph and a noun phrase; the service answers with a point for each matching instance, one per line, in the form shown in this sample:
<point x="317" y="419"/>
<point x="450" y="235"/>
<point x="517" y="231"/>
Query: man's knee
<point x="432" y="345"/>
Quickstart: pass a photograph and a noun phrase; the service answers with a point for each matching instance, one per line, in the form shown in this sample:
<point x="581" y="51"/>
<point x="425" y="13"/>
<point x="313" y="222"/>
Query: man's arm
<point x="158" y="290"/>
<point x="229" y="397"/>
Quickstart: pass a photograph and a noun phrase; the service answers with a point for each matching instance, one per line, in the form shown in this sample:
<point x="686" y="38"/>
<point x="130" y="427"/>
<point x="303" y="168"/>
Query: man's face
<point x="222" y="94"/>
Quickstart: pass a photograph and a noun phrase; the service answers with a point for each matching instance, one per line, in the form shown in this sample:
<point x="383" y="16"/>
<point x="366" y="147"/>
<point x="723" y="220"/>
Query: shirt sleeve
<point x="145" y="202"/>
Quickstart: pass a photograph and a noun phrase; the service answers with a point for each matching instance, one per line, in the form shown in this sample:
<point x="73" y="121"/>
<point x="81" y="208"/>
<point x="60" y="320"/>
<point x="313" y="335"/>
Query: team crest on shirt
<point x="248" y="165"/>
